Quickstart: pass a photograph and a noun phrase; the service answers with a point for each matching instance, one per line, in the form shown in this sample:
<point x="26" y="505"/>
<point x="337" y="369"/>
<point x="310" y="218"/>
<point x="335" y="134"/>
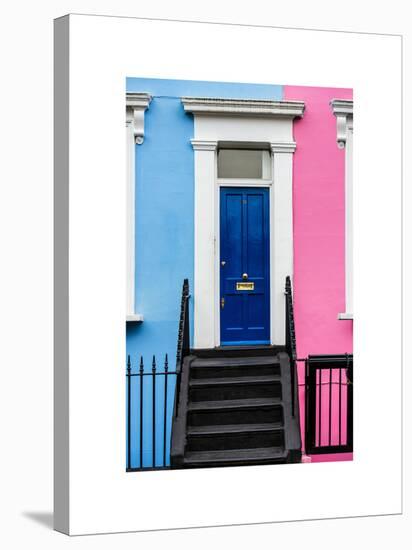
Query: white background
<point x="26" y="232"/>
<point x="103" y="497"/>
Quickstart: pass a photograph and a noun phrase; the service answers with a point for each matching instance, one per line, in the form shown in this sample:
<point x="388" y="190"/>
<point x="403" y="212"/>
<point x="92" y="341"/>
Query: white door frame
<point x="260" y="123"/>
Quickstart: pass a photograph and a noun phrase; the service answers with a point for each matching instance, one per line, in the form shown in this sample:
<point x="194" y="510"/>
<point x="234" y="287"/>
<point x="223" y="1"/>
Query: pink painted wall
<point x="319" y="232"/>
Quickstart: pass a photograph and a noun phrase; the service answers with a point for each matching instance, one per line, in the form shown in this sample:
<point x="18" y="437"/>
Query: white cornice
<point x="342" y="106"/>
<point x="343" y="110"/>
<point x="136" y="105"/>
<point x="203" y="145"/>
<point x="138" y="99"/>
<point x="276" y="147"/>
<point x="242" y="107"/>
<point x="283" y="147"/>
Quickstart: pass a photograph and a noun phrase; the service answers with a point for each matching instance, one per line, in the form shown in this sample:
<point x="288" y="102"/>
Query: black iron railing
<point x="329" y="404"/>
<point x="152" y="401"/>
<point x="149" y="413"/>
<point x="290" y="338"/>
<point x="183" y="338"/>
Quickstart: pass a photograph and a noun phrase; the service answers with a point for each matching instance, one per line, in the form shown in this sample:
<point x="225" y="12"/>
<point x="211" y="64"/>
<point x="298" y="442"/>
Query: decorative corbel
<point x="343" y="110"/>
<point x="136" y="105"/>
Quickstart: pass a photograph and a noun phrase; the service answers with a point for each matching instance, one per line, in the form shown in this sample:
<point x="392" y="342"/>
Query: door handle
<point x="245" y="276"/>
<point x="222" y="302"/>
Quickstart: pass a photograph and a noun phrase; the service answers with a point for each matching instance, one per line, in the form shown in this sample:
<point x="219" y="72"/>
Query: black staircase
<point x="236" y="407"/>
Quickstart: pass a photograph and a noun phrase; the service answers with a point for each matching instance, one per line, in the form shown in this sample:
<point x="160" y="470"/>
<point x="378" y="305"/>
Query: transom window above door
<point x="243" y="163"/>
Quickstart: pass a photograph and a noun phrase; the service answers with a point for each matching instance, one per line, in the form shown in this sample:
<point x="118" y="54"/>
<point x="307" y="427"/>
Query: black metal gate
<point x="329" y="404"/>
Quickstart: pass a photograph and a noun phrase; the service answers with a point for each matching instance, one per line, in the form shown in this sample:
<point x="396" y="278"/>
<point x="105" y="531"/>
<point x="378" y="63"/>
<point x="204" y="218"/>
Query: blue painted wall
<point x="165" y="232"/>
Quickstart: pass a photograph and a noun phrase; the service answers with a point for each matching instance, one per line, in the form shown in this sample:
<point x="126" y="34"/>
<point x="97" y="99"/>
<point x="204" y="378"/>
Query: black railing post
<point x="129" y="414"/>
<point x="349" y="379"/>
<point x="320" y="408"/>
<point x="165" y="411"/>
<point x="306" y="405"/>
<point x="310" y="427"/>
<point x="141" y="369"/>
<point x="186" y="335"/>
<point x="183" y="338"/>
<point x="330" y="406"/>
<point x="154" y="412"/>
<point x="290" y="337"/>
<point x="340" y="407"/>
<point x="287" y="320"/>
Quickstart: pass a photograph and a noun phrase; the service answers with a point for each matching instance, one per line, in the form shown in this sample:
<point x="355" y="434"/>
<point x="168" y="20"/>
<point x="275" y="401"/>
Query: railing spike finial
<point x="129" y="364"/>
<point x="141" y="367"/>
<point x="288" y="285"/>
<point x="154" y="364"/>
<point x="166" y="363"/>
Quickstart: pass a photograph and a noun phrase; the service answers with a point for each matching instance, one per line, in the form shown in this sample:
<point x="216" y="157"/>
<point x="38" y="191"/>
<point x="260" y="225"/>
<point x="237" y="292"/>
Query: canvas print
<point x="239" y="274"/>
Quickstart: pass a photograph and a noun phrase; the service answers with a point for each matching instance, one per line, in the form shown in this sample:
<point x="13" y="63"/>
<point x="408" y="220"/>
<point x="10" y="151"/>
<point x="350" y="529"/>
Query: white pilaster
<point x="204" y="283"/>
<point x="136" y="105"/>
<point x="343" y="110"/>
<point x="349" y="220"/>
<point x="282" y="234"/>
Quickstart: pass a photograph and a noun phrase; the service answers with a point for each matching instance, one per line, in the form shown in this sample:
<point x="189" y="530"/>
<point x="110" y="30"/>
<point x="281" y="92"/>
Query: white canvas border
<point x="103" y="498"/>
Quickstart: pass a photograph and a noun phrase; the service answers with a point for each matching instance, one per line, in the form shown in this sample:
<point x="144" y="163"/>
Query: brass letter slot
<point x="245" y="286"/>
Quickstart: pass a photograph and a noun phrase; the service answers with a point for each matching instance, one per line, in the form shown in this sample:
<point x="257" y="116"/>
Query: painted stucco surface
<point x="319" y="231"/>
<point x="164" y="237"/>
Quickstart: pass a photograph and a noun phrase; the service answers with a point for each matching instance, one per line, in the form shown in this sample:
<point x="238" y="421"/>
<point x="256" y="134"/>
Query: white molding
<point x="243" y="107"/>
<point x="136" y="105"/>
<point x="255" y="130"/>
<point x="345" y="316"/>
<point x="203" y="145"/>
<point x="244" y="182"/>
<point x="343" y="110"/>
<point x="342" y="106"/>
<point x="283" y="147"/>
<point x="281" y="240"/>
<point x="134" y="317"/>
<point x="130" y="218"/>
<point x="205" y="213"/>
<point x="349" y="221"/>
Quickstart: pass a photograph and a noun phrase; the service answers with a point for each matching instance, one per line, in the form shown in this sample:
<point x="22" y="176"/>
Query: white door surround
<point x="257" y="124"/>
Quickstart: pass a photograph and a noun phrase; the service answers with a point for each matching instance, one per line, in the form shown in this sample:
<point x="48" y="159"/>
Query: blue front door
<point x="244" y="266"/>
